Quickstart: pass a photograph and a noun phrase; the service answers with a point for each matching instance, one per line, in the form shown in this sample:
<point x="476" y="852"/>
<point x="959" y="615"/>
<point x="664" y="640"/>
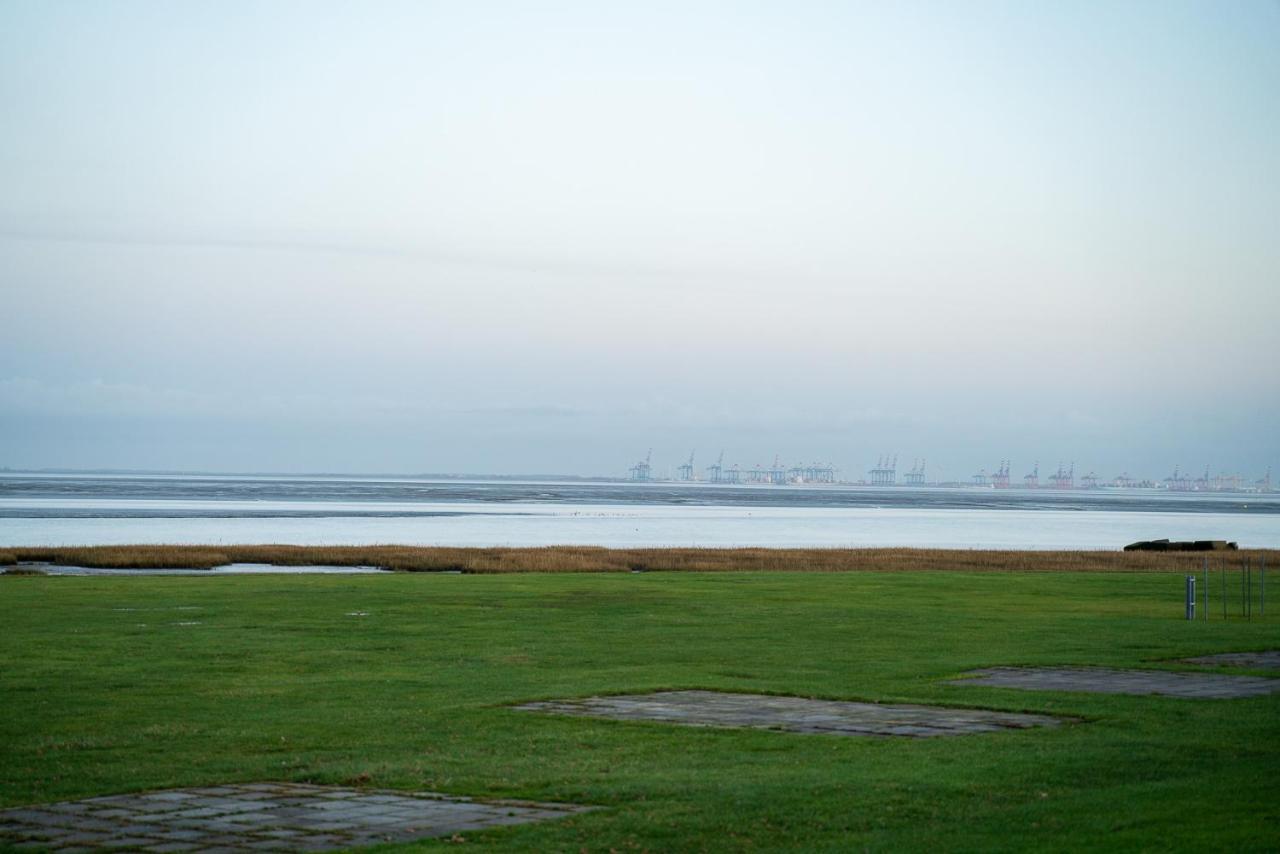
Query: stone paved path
<point x="258" y="816"/>
<point x="792" y="714"/>
<point x="1268" y="660"/>
<point x="1099" y="680"/>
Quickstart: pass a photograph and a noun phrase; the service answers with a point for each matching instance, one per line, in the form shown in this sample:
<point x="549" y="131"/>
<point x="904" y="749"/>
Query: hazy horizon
<point x="418" y="237"/>
<point x="667" y="471"/>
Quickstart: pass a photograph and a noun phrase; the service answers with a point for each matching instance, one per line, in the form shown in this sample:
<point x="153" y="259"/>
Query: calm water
<point x="92" y="510"/>
<point x="229" y="569"/>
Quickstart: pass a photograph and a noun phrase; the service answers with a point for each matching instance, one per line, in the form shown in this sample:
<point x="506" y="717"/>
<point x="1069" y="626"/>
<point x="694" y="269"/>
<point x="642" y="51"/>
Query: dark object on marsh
<point x="1183" y="546"/>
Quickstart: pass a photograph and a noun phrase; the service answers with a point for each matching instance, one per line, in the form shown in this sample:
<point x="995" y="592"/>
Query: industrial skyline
<point x="885" y="472"/>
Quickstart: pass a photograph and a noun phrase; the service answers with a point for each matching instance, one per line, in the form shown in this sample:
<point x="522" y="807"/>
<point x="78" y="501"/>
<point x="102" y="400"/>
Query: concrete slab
<point x="1098" y="680"/>
<point x="285" y="816"/>
<point x="1265" y="660"/>
<point x="792" y="714"/>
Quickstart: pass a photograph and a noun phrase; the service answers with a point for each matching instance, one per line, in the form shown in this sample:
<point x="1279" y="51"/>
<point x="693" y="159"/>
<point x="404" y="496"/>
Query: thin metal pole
<point x="1222" y="570"/>
<point x="1242" y="587"/>
<point x="1206" y="590"/>
<point x="1262" y="566"/>
<point x="1248" y="568"/>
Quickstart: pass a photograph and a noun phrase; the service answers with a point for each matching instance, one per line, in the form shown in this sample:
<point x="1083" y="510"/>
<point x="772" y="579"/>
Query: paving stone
<point x="1265" y="660"/>
<point x="168" y="796"/>
<point x="178" y="835"/>
<point x="279" y="816"/>
<point x="82" y="837"/>
<point x="1208" y="686"/>
<point x="256" y="795"/>
<point x="222" y="826"/>
<point x="232" y="805"/>
<point x="145" y="829"/>
<point x="792" y="714"/>
<point x="129" y="842"/>
<point x="31" y="816"/>
<point x="69" y="808"/>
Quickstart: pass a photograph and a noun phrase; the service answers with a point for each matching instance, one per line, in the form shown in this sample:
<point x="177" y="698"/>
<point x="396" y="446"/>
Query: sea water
<point x="115" y="509"/>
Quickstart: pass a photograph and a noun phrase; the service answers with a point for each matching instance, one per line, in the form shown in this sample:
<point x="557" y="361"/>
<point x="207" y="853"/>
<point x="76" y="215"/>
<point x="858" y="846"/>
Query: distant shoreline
<point x="1149" y="488"/>
<point x="588" y="559"/>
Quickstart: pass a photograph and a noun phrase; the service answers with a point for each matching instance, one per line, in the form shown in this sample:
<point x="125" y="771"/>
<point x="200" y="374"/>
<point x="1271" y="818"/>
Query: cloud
<point x="547" y="266"/>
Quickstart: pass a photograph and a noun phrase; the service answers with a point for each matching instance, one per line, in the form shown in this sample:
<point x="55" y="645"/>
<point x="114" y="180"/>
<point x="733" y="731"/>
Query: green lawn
<point x="104" y="691"/>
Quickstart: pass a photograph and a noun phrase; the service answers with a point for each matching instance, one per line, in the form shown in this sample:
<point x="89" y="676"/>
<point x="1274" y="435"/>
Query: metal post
<point x="1222" y="570"/>
<point x="1248" y="568"/>
<point x="1262" y="566"/>
<point x="1242" y="587"/>
<point x="1206" y="590"/>
<point x="1191" y="597"/>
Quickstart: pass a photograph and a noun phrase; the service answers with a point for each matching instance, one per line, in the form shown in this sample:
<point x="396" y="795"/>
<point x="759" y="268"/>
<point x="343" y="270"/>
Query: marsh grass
<point x="599" y="559"/>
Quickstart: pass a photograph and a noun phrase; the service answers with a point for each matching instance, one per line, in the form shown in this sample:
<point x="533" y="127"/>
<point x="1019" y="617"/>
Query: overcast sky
<point x="544" y="237"/>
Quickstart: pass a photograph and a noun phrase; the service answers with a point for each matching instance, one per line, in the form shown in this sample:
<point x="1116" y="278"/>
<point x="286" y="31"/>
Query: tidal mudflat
<point x="113" y="510"/>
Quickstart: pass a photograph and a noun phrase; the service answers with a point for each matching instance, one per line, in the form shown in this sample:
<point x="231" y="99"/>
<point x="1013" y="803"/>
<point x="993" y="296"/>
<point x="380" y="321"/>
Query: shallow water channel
<point x="229" y="569"/>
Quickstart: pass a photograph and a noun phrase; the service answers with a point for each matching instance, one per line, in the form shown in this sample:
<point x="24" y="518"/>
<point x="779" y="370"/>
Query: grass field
<point x="118" y="684"/>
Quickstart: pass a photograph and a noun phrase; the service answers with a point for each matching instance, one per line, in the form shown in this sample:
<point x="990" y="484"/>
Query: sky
<point x="546" y="237"/>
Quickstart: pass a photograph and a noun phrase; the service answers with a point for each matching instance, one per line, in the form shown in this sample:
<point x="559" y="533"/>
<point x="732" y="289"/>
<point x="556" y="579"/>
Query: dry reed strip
<point x="599" y="559"/>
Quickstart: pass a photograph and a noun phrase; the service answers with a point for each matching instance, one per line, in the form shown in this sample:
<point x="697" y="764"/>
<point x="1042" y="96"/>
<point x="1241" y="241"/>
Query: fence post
<point x="1248" y="568"/>
<point x="1191" y="597"/>
<point x="1243" y="585"/>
